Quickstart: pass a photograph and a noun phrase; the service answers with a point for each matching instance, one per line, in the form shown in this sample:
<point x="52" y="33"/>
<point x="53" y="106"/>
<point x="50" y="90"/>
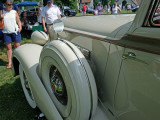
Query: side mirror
<point x="58" y="26"/>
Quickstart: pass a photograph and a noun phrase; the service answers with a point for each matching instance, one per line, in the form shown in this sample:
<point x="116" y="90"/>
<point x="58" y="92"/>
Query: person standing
<point x="124" y="2"/>
<point x="99" y="8"/>
<point x="25" y="26"/>
<point x="85" y="8"/>
<point x="115" y="9"/>
<point x="11" y="32"/>
<point x="95" y="12"/>
<point x="50" y="13"/>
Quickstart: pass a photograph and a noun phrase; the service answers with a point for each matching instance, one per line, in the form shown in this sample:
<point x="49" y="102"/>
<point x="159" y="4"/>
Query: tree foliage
<point x="104" y="2"/>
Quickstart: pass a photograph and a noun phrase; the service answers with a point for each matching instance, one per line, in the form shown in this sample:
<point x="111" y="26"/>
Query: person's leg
<point x="52" y="34"/>
<point x="8" y="42"/>
<point x="16" y="44"/>
<point x="9" y="54"/>
<point x="16" y="39"/>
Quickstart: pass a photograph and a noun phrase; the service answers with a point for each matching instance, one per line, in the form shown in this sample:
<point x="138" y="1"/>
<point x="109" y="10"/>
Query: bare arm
<point x="44" y="26"/>
<point x="59" y="17"/>
<point x="119" y="10"/>
<point x="38" y="13"/>
<point x="18" y="22"/>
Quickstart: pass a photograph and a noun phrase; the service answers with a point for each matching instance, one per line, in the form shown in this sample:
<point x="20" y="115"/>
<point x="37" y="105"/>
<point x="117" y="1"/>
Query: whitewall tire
<point x="26" y="87"/>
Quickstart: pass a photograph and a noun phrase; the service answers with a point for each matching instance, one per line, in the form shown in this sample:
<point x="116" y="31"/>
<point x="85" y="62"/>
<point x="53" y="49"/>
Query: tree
<point x="70" y="3"/>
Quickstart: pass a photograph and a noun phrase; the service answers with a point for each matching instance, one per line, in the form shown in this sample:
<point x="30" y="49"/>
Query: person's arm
<point x="119" y="10"/>
<point x="38" y="13"/>
<point x="58" y="14"/>
<point x="59" y="17"/>
<point x="18" y="22"/>
<point x="43" y="20"/>
<point x="43" y="24"/>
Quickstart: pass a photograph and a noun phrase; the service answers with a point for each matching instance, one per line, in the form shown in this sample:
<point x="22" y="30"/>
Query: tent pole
<point x="23" y="6"/>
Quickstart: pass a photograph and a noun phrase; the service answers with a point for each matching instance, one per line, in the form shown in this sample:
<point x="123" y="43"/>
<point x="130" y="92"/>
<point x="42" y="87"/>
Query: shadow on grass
<point x="13" y="105"/>
<point x="2" y="62"/>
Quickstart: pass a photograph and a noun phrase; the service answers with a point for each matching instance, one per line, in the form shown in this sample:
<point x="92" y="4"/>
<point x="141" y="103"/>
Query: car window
<point x="156" y="15"/>
<point x="153" y="15"/>
<point x="32" y="10"/>
<point x="66" y="7"/>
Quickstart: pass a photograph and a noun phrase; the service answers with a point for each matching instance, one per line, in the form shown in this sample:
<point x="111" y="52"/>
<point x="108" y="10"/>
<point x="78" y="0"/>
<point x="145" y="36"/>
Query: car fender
<point x="28" y="56"/>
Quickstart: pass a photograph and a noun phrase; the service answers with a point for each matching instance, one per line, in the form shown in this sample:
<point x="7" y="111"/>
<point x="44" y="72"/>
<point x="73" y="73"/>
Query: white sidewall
<point x="30" y="101"/>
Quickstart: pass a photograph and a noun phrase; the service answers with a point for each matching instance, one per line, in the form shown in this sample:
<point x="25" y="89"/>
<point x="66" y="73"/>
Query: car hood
<point x="107" y="25"/>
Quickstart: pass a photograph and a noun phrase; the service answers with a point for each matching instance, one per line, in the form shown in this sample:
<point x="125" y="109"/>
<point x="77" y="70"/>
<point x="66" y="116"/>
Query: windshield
<point x="66" y="7"/>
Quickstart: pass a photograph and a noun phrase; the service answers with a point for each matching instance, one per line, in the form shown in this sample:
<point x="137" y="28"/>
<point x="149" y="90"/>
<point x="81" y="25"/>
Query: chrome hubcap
<point x="26" y="84"/>
<point x="58" y="86"/>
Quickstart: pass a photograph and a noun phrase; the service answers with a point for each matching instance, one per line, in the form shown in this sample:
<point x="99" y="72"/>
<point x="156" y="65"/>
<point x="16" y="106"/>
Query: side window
<point x="153" y="17"/>
<point x="156" y="16"/>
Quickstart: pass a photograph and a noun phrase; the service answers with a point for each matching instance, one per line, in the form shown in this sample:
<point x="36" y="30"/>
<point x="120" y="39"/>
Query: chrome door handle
<point x="132" y="56"/>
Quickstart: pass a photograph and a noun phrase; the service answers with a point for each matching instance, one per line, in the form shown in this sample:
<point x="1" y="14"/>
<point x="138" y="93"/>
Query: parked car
<point x="135" y="8"/>
<point x="101" y="68"/>
<point x="90" y="10"/>
<point x="68" y="11"/>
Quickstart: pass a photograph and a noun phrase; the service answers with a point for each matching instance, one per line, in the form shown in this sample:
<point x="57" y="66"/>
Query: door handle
<point x="132" y="56"/>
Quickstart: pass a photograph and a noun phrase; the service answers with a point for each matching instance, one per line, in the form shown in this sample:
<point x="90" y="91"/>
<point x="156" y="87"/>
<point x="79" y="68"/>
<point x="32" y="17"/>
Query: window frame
<point x="150" y="14"/>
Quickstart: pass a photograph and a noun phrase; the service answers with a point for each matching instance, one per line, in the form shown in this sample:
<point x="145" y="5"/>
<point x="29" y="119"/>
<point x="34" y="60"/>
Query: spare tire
<point x="68" y="80"/>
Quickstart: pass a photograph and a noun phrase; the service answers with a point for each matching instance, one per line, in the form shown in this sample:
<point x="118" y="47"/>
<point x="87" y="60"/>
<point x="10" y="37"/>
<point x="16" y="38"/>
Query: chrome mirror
<point x="58" y="26"/>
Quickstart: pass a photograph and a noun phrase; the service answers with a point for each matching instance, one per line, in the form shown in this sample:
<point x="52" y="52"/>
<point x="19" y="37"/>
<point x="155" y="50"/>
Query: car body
<point x="68" y="11"/>
<point x="121" y="68"/>
<point x="90" y="10"/>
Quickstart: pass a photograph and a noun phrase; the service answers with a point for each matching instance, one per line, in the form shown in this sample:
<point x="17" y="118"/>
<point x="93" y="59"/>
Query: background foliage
<point x="104" y="2"/>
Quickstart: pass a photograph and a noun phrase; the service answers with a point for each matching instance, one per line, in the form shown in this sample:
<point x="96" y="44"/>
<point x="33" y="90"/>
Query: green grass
<point x="13" y="105"/>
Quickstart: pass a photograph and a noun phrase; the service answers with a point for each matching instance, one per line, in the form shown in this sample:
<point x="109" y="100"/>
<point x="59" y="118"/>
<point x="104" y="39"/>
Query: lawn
<point x="13" y="105"/>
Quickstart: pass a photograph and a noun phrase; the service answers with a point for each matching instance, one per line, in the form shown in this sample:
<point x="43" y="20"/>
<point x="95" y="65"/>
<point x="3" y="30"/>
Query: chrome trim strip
<point x="128" y="41"/>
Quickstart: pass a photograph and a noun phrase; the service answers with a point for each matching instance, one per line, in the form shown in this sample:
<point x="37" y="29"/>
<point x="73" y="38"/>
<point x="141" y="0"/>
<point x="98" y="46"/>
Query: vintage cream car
<point x="100" y="68"/>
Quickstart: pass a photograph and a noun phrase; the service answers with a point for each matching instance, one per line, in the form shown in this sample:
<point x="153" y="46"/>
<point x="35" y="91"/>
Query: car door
<point x="137" y="95"/>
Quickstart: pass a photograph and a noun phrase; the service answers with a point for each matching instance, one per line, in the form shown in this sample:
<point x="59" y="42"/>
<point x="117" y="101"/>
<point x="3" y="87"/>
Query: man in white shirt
<point x="50" y="13"/>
